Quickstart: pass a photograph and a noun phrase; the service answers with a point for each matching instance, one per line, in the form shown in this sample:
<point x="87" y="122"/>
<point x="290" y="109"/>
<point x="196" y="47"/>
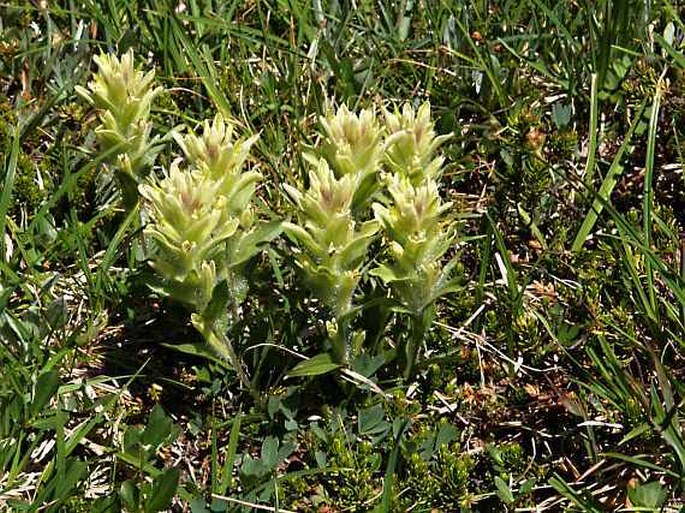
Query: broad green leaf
<point x="316" y="365"/>
<point x="503" y="491"/>
<point x="75" y="471"/>
<point x="447" y="434"/>
<point x="253" y="467"/>
<point x="648" y="495"/>
<point x="386" y="274"/>
<point x="163" y="490"/>
<point x="269" y="452"/>
<point x="370" y="418"/>
<point x="46" y="387"/>
<point x="129" y="495"/>
<point x="250" y="244"/>
<point x="158" y="429"/>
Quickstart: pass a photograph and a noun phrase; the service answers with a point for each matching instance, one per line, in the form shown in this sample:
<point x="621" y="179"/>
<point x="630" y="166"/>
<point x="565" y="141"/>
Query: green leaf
<point x="129" y="495"/>
<point x="158" y="429"/>
<point x="527" y="486"/>
<point x="253" y="467"/>
<point x="197" y="349"/>
<point x="75" y="471"/>
<point x="285" y="450"/>
<point x="8" y="184"/>
<point x="447" y="434"/>
<point x="367" y="365"/>
<point x="647" y="495"/>
<point x="321" y="459"/>
<point x="199" y="505"/>
<point x="250" y="243"/>
<point x="227" y="477"/>
<point x="389" y="478"/>
<point x="217" y="307"/>
<point x="603" y="196"/>
<point x="370" y="419"/>
<point x="386" y="274"/>
<point x="315" y="366"/>
<point x="638" y="461"/>
<point x="269" y="453"/>
<point x="163" y="490"/>
<point x="46" y="387"/>
<point x="561" y="115"/>
<point x="503" y="491"/>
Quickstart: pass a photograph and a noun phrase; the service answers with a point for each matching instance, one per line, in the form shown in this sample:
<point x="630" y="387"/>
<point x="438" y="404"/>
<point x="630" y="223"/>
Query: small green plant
<point x="139" y="450"/>
<point x="204" y="230"/>
<point x="332" y="232"/>
<point x="418" y="233"/>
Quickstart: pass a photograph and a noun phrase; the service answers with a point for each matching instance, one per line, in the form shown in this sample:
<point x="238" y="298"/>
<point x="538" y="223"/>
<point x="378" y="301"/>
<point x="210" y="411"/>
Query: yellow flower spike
<point x="352" y="142"/>
<point x="188" y="221"/>
<point x="331" y="243"/>
<point x="412" y="143"/>
<point x="215" y="149"/>
<point x="123" y="95"/>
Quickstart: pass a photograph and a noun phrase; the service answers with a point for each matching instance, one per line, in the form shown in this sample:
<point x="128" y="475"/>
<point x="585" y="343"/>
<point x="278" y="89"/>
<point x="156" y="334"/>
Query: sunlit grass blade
<point x="593" y="135"/>
<point x="8" y="185"/>
<point x="608" y="184"/>
<point x="648" y="193"/>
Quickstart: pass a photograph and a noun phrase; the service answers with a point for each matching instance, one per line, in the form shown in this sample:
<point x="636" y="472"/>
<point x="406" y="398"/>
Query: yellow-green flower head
<point x="121" y="89"/>
<point x="412" y="142"/>
<point x="352" y="142"/>
<point x="215" y="149"/>
<point x="415" y="212"/>
<point x="188" y="220"/>
<point x="334" y="244"/>
<point x="334" y="196"/>
<point x="327" y="199"/>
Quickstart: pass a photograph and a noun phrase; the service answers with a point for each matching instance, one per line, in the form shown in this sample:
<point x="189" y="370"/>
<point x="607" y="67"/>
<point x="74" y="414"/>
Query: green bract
<point x="221" y="159"/>
<point x="352" y="142"/>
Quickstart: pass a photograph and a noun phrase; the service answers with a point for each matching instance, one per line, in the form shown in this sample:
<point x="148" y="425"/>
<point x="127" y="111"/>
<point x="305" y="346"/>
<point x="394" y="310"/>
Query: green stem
<point x="418" y="329"/>
<point x="223" y="346"/>
<point x="129" y="190"/>
<point x="339" y="342"/>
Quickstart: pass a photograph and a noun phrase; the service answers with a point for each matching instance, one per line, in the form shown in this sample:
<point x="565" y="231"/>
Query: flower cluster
<point x="334" y="242"/>
<point x="412" y="214"/>
<point x="373" y="175"/>
<point x="412" y="144"/>
<point x="202" y="223"/>
<point x="332" y="229"/>
<point x="373" y="180"/>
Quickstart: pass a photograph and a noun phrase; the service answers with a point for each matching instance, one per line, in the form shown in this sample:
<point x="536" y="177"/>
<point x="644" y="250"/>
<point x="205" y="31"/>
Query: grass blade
<point x="607" y="187"/>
